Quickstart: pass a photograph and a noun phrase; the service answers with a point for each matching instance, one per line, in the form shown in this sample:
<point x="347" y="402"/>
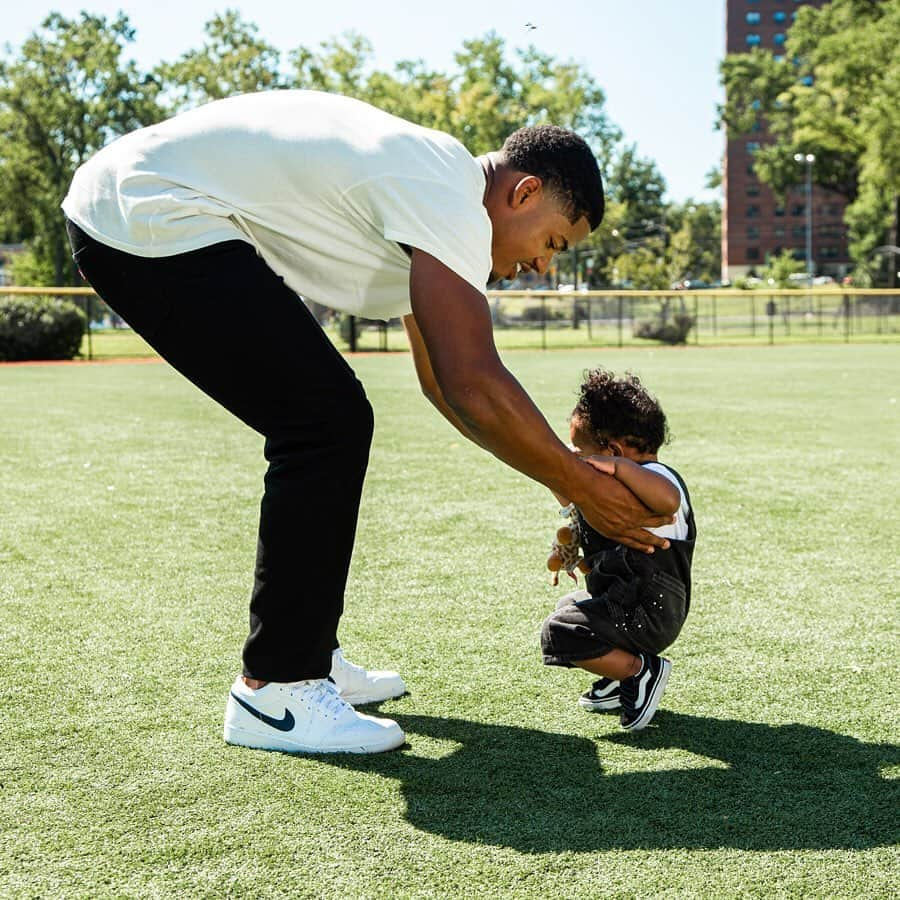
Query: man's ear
<point x="526" y="189"/>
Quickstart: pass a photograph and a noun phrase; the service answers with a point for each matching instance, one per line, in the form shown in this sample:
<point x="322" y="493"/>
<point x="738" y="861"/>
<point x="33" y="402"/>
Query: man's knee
<point x="341" y="423"/>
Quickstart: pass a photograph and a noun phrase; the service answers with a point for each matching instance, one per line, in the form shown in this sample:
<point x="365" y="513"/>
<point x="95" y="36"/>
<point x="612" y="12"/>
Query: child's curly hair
<point x="621" y="409"/>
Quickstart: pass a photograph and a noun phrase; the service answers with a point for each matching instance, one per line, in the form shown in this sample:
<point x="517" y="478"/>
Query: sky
<point x="656" y="60"/>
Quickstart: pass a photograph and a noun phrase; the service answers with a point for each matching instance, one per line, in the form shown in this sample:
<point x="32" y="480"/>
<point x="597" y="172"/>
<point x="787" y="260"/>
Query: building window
<point x="829" y="252"/>
<point x="780" y="16"/>
<point x="779" y="39"/>
<point x="753" y="253"/>
<point x="798" y="209"/>
<point x="751" y="146"/>
<point x="798" y="231"/>
<point x="779" y="231"/>
<point x="753" y="18"/>
<point x="753" y="40"/>
<point x="779" y="211"/>
<point x="752" y="190"/>
<point x="807" y="80"/>
<point x="752" y="211"/>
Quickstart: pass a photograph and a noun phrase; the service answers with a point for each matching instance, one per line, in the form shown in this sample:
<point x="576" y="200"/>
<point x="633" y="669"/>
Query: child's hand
<point x="605" y="464"/>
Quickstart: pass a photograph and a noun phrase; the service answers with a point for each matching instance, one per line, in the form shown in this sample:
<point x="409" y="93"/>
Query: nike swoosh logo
<point x="285" y="724"/>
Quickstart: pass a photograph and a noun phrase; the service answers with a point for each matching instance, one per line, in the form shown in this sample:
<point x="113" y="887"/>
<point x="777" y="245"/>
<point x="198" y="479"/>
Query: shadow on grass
<point x="780" y="788"/>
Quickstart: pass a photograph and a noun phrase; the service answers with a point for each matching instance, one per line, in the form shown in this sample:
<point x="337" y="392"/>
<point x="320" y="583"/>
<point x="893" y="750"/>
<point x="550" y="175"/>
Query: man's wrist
<point x="580" y="481"/>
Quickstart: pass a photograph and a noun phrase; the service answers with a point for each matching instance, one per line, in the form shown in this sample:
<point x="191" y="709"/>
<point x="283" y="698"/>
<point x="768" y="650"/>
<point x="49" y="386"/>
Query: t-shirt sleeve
<point x="679" y="529"/>
<point x="449" y="224"/>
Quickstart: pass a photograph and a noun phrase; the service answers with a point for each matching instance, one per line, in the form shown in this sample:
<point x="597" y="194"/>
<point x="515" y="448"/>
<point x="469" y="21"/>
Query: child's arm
<point x="652" y="489"/>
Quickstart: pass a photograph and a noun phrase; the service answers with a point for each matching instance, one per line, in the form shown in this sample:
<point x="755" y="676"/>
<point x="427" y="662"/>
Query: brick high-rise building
<point x="755" y="223"/>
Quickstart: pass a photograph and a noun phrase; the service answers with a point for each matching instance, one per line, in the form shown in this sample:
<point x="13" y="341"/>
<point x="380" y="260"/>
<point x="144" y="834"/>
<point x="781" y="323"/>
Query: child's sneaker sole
<point x="602" y="700"/>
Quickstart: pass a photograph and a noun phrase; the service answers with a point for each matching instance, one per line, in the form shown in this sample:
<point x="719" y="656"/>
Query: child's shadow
<point x="756" y="787"/>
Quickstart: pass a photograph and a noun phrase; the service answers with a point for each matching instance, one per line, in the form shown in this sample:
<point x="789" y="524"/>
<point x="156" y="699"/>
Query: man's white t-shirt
<point x="325" y="187"/>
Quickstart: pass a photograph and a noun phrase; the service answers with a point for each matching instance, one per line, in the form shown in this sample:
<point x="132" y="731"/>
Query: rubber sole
<point x="599" y="705"/>
<point x="242" y="737"/>
<point x="363" y="699"/>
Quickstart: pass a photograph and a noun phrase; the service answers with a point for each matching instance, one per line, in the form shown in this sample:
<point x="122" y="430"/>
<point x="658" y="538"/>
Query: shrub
<point x="670" y="331"/>
<point x="39" y="328"/>
<point x="549" y="312"/>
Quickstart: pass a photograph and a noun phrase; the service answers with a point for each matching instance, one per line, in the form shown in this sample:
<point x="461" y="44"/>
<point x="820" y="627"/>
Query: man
<point x="202" y="231"/>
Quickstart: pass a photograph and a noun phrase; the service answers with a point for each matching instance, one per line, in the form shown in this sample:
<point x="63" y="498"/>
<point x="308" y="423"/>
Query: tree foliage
<point x="233" y="60"/>
<point x="66" y="95"/>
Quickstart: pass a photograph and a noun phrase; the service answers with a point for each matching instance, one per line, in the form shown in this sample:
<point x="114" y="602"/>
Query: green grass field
<point x="126" y="548"/>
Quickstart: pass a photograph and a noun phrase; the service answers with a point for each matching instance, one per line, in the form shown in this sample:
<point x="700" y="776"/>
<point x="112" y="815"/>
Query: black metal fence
<point x="547" y="319"/>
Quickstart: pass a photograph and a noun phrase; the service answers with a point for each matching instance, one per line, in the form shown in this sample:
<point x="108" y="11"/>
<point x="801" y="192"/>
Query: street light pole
<point x="809" y="159"/>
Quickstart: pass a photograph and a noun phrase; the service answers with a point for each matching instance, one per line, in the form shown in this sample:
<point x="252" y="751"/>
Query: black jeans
<point x="228" y="323"/>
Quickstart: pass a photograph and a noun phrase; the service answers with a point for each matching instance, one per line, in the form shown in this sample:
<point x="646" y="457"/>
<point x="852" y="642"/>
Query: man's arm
<point x="430" y="388"/>
<point x="460" y="371"/>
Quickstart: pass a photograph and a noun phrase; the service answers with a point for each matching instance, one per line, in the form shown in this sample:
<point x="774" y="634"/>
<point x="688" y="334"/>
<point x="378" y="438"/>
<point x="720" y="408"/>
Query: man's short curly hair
<point x="566" y="165"/>
<point x="621" y="409"/>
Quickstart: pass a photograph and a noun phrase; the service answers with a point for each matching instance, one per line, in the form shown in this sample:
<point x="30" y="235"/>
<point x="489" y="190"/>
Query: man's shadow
<point x="758" y="787"/>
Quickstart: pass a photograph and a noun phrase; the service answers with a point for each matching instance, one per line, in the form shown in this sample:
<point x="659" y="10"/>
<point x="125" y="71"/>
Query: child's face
<point x="583" y="441"/>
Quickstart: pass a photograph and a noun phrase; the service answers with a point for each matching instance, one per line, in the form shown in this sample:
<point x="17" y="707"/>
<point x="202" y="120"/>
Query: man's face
<point x="529" y="228"/>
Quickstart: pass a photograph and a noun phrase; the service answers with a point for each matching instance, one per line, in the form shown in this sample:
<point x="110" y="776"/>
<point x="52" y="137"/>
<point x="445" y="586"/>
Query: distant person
<point x="203" y="232"/>
<point x="635" y="604"/>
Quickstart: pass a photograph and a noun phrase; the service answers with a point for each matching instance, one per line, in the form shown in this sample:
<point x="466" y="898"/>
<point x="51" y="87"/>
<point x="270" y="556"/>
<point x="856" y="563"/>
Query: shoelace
<point x="324" y="694"/>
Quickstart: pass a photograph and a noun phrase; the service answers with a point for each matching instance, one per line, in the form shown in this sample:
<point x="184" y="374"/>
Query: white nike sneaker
<point x="358" y="686"/>
<point x="304" y="717"/>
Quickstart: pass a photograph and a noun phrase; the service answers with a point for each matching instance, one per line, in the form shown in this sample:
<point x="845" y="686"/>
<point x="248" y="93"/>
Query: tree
<point x="836" y="93"/>
<point x="779" y="269"/>
<point x="65" y="96"/>
<point x="637" y="183"/>
<point x="643" y="268"/>
<point x="695" y="245"/>
<point x="234" y="60"/>
<point x="338" y="66"/>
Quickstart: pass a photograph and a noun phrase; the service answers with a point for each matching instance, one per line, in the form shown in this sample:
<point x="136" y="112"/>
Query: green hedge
<point x="39" y="328"/>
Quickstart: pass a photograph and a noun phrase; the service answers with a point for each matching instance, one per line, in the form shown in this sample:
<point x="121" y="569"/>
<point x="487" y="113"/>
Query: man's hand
<point x="616" y="513"/>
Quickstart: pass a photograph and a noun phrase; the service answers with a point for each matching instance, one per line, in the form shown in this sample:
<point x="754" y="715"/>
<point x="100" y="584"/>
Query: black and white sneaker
<point x="604" y="694"/>
<point x="641" y="693"/>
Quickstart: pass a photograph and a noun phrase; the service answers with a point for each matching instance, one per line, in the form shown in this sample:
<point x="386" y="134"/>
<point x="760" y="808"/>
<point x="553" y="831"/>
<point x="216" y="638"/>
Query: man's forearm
<point x="495" y="411"/>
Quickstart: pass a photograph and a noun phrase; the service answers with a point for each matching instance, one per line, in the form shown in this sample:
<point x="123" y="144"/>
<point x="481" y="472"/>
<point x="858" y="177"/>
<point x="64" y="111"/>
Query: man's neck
<point x="489" y="163"/>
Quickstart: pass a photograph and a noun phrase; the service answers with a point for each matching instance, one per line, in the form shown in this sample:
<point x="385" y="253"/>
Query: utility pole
<point x="809" y="159"/>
